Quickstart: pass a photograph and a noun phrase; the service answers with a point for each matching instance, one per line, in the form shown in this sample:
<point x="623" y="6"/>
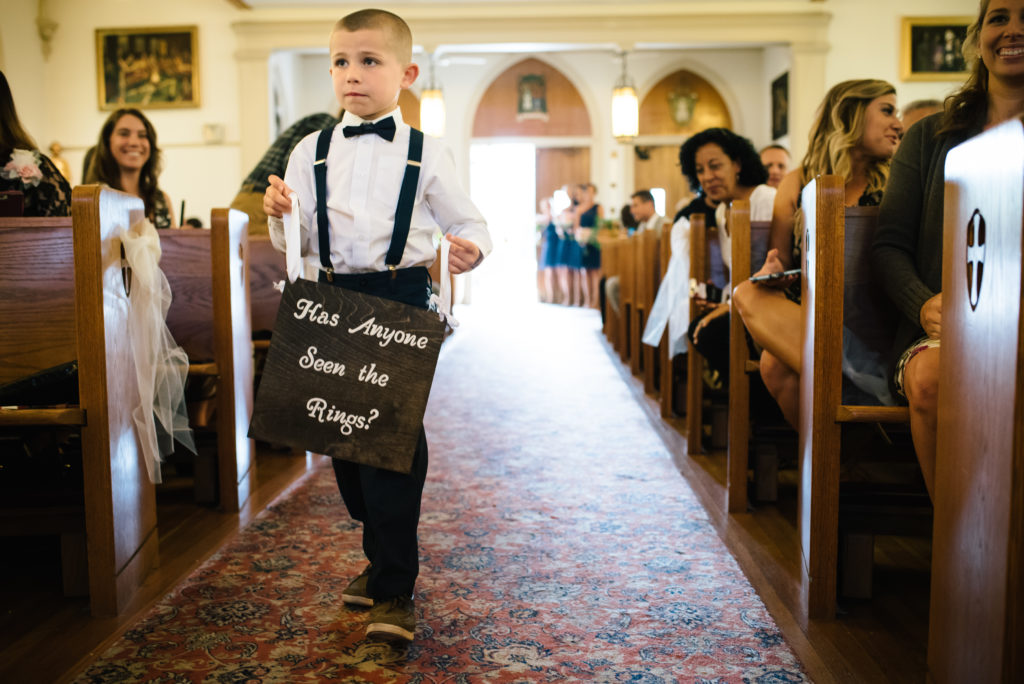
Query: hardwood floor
<point x="883" y="639"/>
<point x="45" y="637"/>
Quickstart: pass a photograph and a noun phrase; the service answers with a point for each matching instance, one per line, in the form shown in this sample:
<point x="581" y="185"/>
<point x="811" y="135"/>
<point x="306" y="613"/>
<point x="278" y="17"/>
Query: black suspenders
<point x="403" y="213"/>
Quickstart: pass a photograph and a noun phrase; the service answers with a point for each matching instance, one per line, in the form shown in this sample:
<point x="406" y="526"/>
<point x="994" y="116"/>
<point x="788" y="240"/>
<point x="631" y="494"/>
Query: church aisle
<point x="558" y="543"/>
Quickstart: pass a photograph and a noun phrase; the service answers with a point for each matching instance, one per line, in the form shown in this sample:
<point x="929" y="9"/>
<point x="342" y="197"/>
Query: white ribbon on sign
<point x="442" y="303"/>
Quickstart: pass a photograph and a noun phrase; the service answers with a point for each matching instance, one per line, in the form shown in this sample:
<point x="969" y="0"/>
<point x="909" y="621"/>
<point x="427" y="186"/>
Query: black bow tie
<point x="385" y="128"/>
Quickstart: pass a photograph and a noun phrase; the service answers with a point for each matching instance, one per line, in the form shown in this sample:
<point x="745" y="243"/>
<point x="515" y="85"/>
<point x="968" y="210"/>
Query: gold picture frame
<point x="147" y="68"/>
<point x="931" y="48"/>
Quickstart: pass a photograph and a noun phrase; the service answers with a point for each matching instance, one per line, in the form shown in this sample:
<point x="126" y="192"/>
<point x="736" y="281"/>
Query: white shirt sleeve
<point x="449" y="204"/>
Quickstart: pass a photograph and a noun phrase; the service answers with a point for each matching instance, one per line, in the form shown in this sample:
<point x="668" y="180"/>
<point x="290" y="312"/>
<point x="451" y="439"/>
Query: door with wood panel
<point x="558" y="166"/>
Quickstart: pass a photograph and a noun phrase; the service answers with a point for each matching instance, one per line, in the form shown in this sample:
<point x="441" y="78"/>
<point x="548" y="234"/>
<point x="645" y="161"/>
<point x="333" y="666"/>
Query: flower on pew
<point x="24" y="164"/>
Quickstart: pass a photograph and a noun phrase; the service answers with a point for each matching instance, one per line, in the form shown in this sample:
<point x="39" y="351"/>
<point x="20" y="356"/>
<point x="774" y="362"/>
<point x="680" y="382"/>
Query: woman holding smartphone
<point x="854" y="135"/>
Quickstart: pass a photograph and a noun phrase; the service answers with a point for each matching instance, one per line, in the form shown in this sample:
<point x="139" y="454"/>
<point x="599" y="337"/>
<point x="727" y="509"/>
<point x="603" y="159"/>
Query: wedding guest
<point x="23" y="168"/>
<point x="908" y="244"/>
<point x="127" y="158"/>
<point x="776" y="162"/>
<point x="854" y="134"/>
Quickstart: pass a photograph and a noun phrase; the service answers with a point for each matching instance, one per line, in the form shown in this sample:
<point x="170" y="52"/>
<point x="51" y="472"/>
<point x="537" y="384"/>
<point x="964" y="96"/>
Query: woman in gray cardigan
<point x="908" y="243"/>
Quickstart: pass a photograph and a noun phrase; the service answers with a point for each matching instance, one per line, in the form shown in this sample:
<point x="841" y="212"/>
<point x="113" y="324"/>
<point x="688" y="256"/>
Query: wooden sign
<point x="347" y="375"/>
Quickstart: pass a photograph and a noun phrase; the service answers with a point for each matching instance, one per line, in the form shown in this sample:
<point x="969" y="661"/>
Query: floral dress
<point x="47" y="192"/>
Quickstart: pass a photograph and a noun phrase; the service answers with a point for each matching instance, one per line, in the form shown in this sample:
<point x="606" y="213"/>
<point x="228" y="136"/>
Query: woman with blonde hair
<point x="908" y="244"/>
<point x="855" y="133"/>
<point x="127" y="158"/>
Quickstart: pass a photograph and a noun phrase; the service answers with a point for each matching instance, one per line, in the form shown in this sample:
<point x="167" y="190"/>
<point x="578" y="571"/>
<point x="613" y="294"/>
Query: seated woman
<point x="127" y="158"/>
<point x="855" y="132"/>
<point x="728" y="168"/>
<point x="721" y="167"/>
<point x="908" y="243"/>
<point x="23" y="168"/>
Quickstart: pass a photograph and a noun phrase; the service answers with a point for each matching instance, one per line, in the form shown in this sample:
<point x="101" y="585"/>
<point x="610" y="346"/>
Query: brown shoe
<point x="392" y="620"/>
<point x="355" y="593"/>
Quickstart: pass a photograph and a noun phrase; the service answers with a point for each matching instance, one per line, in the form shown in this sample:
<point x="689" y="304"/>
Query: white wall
<point x="57" y="99"/>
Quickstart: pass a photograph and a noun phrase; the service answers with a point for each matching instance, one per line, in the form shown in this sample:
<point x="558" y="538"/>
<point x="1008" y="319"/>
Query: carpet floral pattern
<point x="558" y="544"/>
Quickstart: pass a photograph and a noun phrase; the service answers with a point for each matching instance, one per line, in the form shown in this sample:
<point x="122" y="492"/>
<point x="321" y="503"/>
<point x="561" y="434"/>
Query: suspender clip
<point x="410" y="162"/>
<point x="330" y="274"/>
<point x="394" y="272"/>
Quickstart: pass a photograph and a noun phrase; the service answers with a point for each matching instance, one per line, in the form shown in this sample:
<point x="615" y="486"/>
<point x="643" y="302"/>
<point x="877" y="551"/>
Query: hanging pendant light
<point x="432" y="118"/>
<point x="625" y="107"/>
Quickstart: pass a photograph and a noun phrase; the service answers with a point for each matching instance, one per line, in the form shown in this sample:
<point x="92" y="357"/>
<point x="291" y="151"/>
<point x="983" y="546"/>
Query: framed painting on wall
<point x="780" y="106"/>
<point x="931" y="48"/>
<point x="149" y="68"/>
<point x="532" y="101"/>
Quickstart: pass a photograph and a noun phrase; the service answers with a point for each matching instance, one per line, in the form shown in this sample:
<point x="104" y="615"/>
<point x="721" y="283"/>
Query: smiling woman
<point x="854" y="135"/>
<point x="127" y="158"/>
<point x="909" y="241"/>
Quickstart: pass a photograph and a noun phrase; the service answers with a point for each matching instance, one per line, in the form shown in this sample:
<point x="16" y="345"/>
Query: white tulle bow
<point x="161" y="366"/>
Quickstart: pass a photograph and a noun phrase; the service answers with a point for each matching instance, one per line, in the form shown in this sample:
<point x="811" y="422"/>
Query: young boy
<point x="367" y="161"/>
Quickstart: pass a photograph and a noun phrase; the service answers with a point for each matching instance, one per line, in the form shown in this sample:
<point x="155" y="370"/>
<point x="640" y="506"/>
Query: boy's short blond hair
<point x="398" y="33"/>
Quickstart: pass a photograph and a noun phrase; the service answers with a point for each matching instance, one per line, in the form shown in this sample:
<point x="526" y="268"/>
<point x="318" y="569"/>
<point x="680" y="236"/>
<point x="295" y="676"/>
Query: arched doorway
<point x="525" y="146"/>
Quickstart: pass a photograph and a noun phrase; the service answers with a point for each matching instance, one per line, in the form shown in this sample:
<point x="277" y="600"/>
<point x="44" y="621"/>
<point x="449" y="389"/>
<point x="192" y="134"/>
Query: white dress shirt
<point x="364" y="177"/>
<point x="653" y="222"/>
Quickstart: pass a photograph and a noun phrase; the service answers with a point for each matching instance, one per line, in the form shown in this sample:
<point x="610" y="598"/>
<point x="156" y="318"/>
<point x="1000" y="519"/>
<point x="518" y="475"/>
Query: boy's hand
<point x="463" y="256"/>
<point x="275" y="199"/>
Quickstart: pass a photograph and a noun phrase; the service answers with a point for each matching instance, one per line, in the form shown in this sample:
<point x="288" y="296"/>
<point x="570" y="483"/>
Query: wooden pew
<point x="749" y="247"/>
<point x="210" y="318"/>
<point x="266" y="267"/>
<point x="63" y="296"/>
<point x="627" y="298"/>
<point x="667" y="388"/>
<point x="977" y="591"/>
<point x="648" y="276"/>
<point x="610" y="255"/>
<point x="694" y="361"/>
<point x="835" y="240"/>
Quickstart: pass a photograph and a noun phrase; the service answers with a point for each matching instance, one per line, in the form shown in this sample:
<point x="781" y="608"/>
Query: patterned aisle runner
<point x="558" y="543"/>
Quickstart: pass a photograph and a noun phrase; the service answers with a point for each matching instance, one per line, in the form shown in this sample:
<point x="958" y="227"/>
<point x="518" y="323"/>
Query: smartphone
<point x="775" y="276"/>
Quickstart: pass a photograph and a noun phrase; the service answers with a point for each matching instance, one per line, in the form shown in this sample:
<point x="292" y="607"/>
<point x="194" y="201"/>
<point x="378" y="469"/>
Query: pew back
<point x="667" y="388"/>
<point x="820" y="392"/>
<point x="210" y="317"/>
<point x="627" y="295"/>
<point x="749" y="246"/>
<point x="700" y="272"/>
<point x="977" y="592"/>
<point x="266" y="267"/>
<point x="120" y="502"/>
<point x="840" y="300"/>
<point x="648" y="269"/>
<point x="37" y="296"/>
